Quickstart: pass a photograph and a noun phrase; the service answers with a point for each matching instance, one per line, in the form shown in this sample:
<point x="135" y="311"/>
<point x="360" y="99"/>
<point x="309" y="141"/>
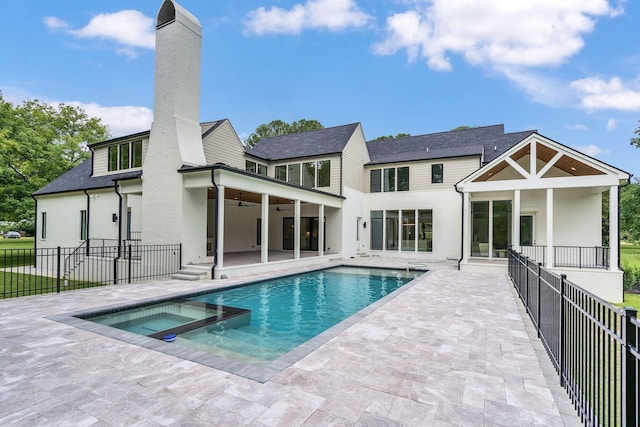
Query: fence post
<point x="539" y="299"/>
<point x="115" y="271"/>
<point x="563" y="345"/>
<point x="526" y="284"/>
<point x="629" y="368"/>
<point x="129" y="271"/>
<point x="180" y="258"/>
<point x="58" y="256"/>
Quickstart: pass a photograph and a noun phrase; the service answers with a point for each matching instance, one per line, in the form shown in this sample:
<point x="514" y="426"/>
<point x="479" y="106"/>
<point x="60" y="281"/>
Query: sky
<point x="569" y="69"/>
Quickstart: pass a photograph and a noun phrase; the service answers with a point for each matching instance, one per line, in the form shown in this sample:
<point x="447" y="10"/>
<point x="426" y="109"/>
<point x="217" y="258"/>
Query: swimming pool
<point x="260" y="323"/>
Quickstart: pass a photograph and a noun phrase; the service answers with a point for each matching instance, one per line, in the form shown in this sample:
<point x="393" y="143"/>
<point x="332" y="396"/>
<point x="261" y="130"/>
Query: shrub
<point x="631" y="277"/>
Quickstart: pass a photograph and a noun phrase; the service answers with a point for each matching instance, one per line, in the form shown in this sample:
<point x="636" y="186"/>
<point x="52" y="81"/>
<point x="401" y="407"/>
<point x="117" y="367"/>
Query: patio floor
<point x="453" y="350"/>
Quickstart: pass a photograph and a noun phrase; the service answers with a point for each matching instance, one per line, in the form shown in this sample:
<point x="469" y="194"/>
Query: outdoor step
<point x="190" y="275"/>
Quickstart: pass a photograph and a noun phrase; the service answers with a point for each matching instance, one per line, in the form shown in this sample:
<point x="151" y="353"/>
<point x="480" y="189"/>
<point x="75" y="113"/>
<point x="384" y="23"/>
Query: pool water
<point x="267" y="319"/>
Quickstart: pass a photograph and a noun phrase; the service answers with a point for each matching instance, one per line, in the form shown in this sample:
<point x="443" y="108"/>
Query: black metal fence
<point x="43" y="270"/>
<point x="571" y="256"/>
<point x="593" y="345"/>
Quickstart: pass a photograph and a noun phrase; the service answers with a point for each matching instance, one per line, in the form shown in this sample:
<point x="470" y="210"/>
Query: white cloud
<point x="130" y="29"/>
<point x="332" y="15"/>
<point x="591" y="150"/>
<point x="54" y="23"/>
<point x="122" y="120"/>
<point x="612" y="124"/>
<point x="576" y="127"/>
<point x="524" y="33"/>
<point x="542" y="89"/>
<point x="599" y="94"/>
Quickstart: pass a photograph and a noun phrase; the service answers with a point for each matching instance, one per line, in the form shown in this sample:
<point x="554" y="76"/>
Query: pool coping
<point x="257" y="373"/>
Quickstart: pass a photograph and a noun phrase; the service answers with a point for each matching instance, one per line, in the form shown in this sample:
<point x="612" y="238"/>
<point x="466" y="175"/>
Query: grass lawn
<point x="630" y="257"/>
<point x="23" y="243"/>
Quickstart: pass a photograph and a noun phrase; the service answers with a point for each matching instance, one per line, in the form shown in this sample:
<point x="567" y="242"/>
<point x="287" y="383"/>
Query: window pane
<point x="83" y="225"/>
<point x="409" y="230"/>
<point x="136" y="153"/>
<point x="437" y="174"/>
<point x="294" y="174"/>
<point x="262" y="169"/>
<point x="113" y="158"/>
<point x="281" y="173"/>
<point x="391" y="230"/>
<point x="250" y="166"/>
<point x="376" y="230"/>
<point x="375" y="186"/>
<point x="425" y="230"/>
<point x="124" y="156"/>
<point x="309" y="174"/>
<point x="43" y="227"/>
<point x="324" y="173"/>
<point x="403" y="179"/>
<point x="390" y="179"/>
<point x="480" y="229"/>
<point x="258" y="231"/>
<point x="501" y="227"/>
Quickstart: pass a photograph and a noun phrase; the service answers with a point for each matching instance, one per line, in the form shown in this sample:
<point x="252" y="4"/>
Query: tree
<point x="636" y="141"/>
<point x="38" y="143"/>
<point x="384" y="137"/>
<point x="278" y="127"/>
<point x="629" y="211"/>
<point x="462" y="127"/>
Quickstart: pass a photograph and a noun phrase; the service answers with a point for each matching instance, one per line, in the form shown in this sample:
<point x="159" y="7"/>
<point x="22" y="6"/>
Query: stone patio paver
<point x="453" y="350"/>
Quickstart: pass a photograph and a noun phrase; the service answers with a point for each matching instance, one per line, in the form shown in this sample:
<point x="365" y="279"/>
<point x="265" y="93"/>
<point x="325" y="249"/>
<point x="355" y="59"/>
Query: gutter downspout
<point x="88" y="219"/>
<point x="215" y="231"/>
<point x="35" y="232"/>
<point x="455" y="186"/>
<point x="115" y="187"/>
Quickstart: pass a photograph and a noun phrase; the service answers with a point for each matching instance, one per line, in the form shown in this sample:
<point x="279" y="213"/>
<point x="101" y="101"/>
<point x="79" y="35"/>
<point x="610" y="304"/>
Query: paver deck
<point x="453" y="350"/>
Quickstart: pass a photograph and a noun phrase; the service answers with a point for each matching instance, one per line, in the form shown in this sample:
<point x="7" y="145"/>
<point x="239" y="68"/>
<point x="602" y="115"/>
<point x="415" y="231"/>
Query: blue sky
<point x="570" y="68"/>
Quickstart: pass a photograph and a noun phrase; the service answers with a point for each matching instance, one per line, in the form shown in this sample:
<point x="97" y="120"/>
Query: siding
<point x="354" y="156"/>
<point x="224" y="146"/>
<point x="420" y="172"/>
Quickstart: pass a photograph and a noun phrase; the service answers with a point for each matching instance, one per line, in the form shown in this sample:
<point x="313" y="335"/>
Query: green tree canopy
<point x="636" y="140"/>
<point x="462" y="127"/>
<point x="630" y="211"/>
<point x="279" y="127"/>
<point x="38" y="143"/>
<point x="400" y="135"/>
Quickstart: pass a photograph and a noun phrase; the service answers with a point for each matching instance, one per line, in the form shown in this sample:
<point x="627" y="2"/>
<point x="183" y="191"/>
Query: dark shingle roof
<point x="79" y="178"/>
<point x="469" y="142"/>
<point x="304" y="144"/>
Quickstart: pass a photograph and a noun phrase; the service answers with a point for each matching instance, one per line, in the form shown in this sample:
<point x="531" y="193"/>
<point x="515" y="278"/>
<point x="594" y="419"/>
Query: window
<point x="250" y="166"/>
<point x="136" y="154"/>
<point x="293" y="172"/>
<point x="281" y="173"/>
<point x="375" y="186"/>
<point x="403" y="179"/>
<point x="259" y="231"/>
<point x="491" y="228"/>
<point x="262" y="169"/>
<point x="376" y="230"/>
<point x="389" y="179"/>
<point x="309" y="174"/>
<point x="437" y="173"/>
<point x="43" y="227"/>
<point x="414" y="235"/>
<point x="113" y="158"/>
<point x="324" y="173"/>
<point x="124" y="156"/>
<point x="83" y="225"/>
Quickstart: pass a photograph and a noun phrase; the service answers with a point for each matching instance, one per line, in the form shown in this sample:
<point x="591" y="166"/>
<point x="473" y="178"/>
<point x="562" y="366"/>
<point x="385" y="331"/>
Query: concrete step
<point x="190" y="275"/>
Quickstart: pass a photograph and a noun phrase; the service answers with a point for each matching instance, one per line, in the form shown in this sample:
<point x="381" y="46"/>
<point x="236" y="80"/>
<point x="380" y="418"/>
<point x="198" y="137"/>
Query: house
<point x="465" y="195"/>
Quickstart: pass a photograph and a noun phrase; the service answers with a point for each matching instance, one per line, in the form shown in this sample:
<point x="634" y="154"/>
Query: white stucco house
<point x="465" y="195"/>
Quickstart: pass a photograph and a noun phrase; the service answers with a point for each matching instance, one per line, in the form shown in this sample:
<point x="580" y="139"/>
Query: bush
<point x="631" y="277"/>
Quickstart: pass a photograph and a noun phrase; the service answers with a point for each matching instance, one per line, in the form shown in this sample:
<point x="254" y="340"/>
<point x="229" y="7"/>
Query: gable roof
<point x="304" y="144"/>
<point x="490" y="141"/>
<point x="79" y="178"/>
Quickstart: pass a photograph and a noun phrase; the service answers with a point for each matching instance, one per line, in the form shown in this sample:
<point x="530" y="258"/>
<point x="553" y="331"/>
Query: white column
<point x="466" y="243"/>
<point x="550" y="254"/>
<point x="320" y="230"/>
<point x="490" y="229"/>
<point x="296" y="230"/>
<point x="515" y="227"/>
<point x="264" y="237"/>
<point x="416" y="231"/>
<point x="220" y="225"/>
<point x="614" y="232"/>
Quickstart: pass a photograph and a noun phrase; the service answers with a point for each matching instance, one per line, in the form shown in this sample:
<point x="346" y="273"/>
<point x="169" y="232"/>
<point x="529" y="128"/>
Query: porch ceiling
<point x="247" y="196"/>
